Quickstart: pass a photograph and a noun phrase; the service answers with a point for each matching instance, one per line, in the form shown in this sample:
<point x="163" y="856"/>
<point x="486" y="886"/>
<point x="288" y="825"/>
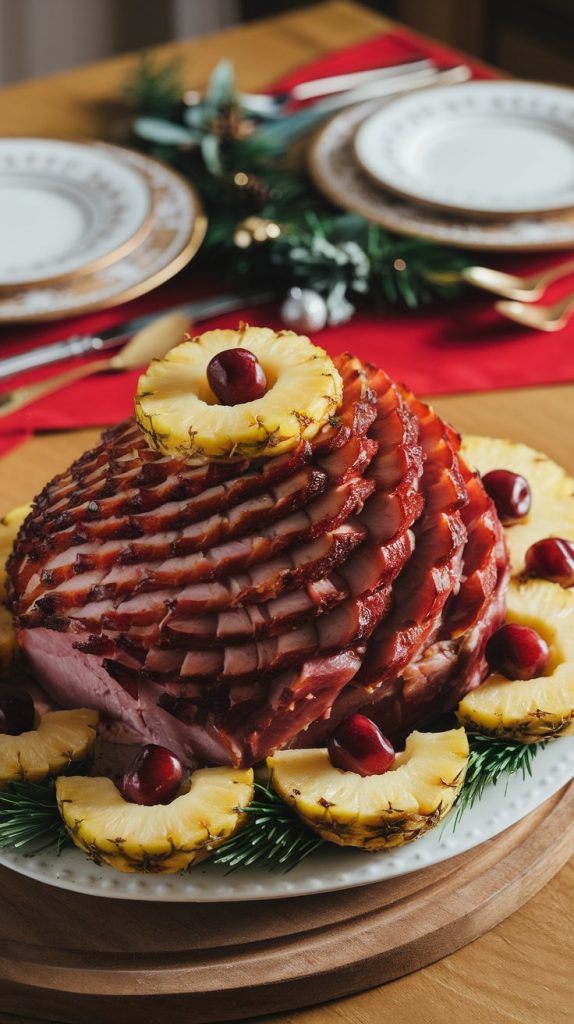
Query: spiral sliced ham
<point x="229" y="609"/>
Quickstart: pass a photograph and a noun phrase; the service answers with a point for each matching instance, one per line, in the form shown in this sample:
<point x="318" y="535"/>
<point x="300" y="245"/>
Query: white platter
<point x="329" y="868"/>
<point x="176" y="230"/>
<point x="482" y="148"/>
<point x="337" y="174"/>
<point x="65" y="208"/>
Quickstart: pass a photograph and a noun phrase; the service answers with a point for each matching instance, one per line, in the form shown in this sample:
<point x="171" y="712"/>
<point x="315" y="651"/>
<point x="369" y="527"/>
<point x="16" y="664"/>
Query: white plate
<point x="330" y="868"/>
<point x="65" y="207"/>
<point x="483" y="148"/>
<point x="336" y="173"/>
<point x="176" y="229"/>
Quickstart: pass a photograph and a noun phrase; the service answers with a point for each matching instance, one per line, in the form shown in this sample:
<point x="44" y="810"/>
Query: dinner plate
<point x="337" y="174"/>
<point x="66" y="208"/>
<point x="176" y="230"/>
<point x="329" y="868"/>
<point x="483" y="148"/>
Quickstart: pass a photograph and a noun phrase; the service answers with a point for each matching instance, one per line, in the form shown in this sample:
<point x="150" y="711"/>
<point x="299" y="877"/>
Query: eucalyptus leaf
<point x="221" y="89"/>
<point x="163" y="133"/>
<point x="211" y="152"/>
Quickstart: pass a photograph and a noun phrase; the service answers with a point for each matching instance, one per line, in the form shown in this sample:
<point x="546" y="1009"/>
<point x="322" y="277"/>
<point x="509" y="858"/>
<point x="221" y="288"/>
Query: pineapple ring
<point x="60" y="738"/>
<point x="531" y="710"/>
<point x="161" y="838"/>
<point x="376" y="812"/>
<point x="180" y="415"/>
<point x="9" y="527"/>
<point x="552" y="511"/>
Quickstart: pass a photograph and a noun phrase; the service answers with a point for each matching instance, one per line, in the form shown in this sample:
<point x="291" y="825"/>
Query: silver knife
<point x="80" y="344"/>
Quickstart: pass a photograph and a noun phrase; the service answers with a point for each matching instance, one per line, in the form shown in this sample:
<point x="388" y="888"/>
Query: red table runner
<point x="446" y="348"/>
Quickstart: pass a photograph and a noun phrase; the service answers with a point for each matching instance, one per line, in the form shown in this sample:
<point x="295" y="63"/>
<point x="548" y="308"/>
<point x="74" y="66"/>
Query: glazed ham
<point x="226" y="610"/>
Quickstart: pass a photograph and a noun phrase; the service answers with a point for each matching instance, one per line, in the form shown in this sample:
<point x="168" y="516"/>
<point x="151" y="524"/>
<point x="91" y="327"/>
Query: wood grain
<point x="521" y="971"/>
<point x="194" y="965"/>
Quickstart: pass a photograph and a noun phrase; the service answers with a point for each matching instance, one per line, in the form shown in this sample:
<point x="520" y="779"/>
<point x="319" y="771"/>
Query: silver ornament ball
<point x="304" y="310"/>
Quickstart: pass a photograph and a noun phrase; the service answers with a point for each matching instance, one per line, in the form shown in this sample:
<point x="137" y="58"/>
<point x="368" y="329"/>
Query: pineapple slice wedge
<point x="8" y="639"/>
<point x="530" y="710"/>
<point x="161" y="838"/>
<point x="60" y="739"/>
<point x="180" y="415"/>
<point x="552" y="511"/>
<point x="9" y="526"/>
<point x="376" y="812"/>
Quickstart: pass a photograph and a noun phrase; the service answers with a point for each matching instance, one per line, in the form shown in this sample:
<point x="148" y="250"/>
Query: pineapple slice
<point x="9" y="526"/>
<point x="180" y="415"/>
<point x="60" y="738"/>
<point x="8" y="638"/>
<point x="529" y="710"/>
<point x="376" y="812"/>
<point x="164" y="837"/>
<point x="552" y="511"/>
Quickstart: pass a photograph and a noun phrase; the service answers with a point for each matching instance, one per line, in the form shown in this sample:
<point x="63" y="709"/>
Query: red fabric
<point x="442" y="349"/>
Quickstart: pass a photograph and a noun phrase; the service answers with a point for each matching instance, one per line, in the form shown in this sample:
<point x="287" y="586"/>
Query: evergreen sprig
<point x="274" y="838"/>
<point x="340" y="255"/>
<point x="29" y="817"/>
<point x="492" y="758"/>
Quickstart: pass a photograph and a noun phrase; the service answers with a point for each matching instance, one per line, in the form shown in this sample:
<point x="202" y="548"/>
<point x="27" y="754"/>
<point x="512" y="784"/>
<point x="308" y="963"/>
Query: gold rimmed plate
<point x="66" y="208"/>
<point x="482" y="149"/>
<point x="338" y="175"/>
<point x="175" y="230"/>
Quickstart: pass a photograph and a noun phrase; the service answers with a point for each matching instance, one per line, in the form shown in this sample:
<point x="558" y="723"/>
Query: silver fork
<point x="270" y="105"/>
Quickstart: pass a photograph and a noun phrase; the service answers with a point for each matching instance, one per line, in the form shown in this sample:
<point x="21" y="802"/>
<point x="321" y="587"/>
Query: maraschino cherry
<point x="551" y="559"/>
<point x="510" y="493"/>
<point x="518" y="652"/>
<point x="154" y="776"/>
<point x="17" y="714"/>
<point x="236" y="376"/>
<point x="358" y="745"/>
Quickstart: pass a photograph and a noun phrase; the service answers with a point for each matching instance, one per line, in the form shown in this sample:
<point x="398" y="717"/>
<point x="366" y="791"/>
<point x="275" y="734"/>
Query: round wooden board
<point x="72" y="958"/>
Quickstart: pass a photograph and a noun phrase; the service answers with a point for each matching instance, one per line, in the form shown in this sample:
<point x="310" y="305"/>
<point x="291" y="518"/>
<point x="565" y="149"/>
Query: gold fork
<point x="510" y="286"/>
<point x="541" y="318"/>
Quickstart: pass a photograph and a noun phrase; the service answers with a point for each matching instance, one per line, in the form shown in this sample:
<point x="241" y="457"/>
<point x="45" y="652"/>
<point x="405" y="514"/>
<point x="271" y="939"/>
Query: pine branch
<point x="274" y="838"/>
<point x="490" y="759"/>
<point x="29" y="817"/>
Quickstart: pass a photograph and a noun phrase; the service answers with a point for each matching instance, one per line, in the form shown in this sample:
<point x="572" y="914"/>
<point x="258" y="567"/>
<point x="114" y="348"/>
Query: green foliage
<point x="29" y="817"/>
<point x="274" y="838"/>
<point x="491" y="759"/>
<point x="340" y="255"/>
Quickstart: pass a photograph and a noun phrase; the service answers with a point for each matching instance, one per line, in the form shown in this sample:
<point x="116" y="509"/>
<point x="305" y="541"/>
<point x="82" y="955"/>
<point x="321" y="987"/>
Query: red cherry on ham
<point x="236" y="376"/>
<point x="154" y="776"/>
<point x="17" y="714"/>
<point x="518" y="652"/>
<point x="358" y="745"/>
<point x="551" y="559"/>
<point x="510" y="493"/>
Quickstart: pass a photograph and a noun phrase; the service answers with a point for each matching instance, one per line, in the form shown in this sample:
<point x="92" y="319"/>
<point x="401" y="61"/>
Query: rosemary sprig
<point x="491" y="758"/>
<point x="274" y="838"/>
<point x="29" y="817"/>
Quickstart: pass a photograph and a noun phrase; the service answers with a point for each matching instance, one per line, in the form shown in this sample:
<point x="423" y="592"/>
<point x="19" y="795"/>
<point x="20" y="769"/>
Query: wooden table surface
<point x="521" y="972"/>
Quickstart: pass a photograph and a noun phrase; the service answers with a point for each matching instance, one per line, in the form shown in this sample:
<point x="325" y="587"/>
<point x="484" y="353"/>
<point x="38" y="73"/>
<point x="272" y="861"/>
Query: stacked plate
<point x="88" y="225"/>
<point x="483" y="165"/>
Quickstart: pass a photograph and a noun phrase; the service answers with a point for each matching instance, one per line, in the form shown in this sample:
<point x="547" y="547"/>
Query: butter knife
<point x="112" y="337"/>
